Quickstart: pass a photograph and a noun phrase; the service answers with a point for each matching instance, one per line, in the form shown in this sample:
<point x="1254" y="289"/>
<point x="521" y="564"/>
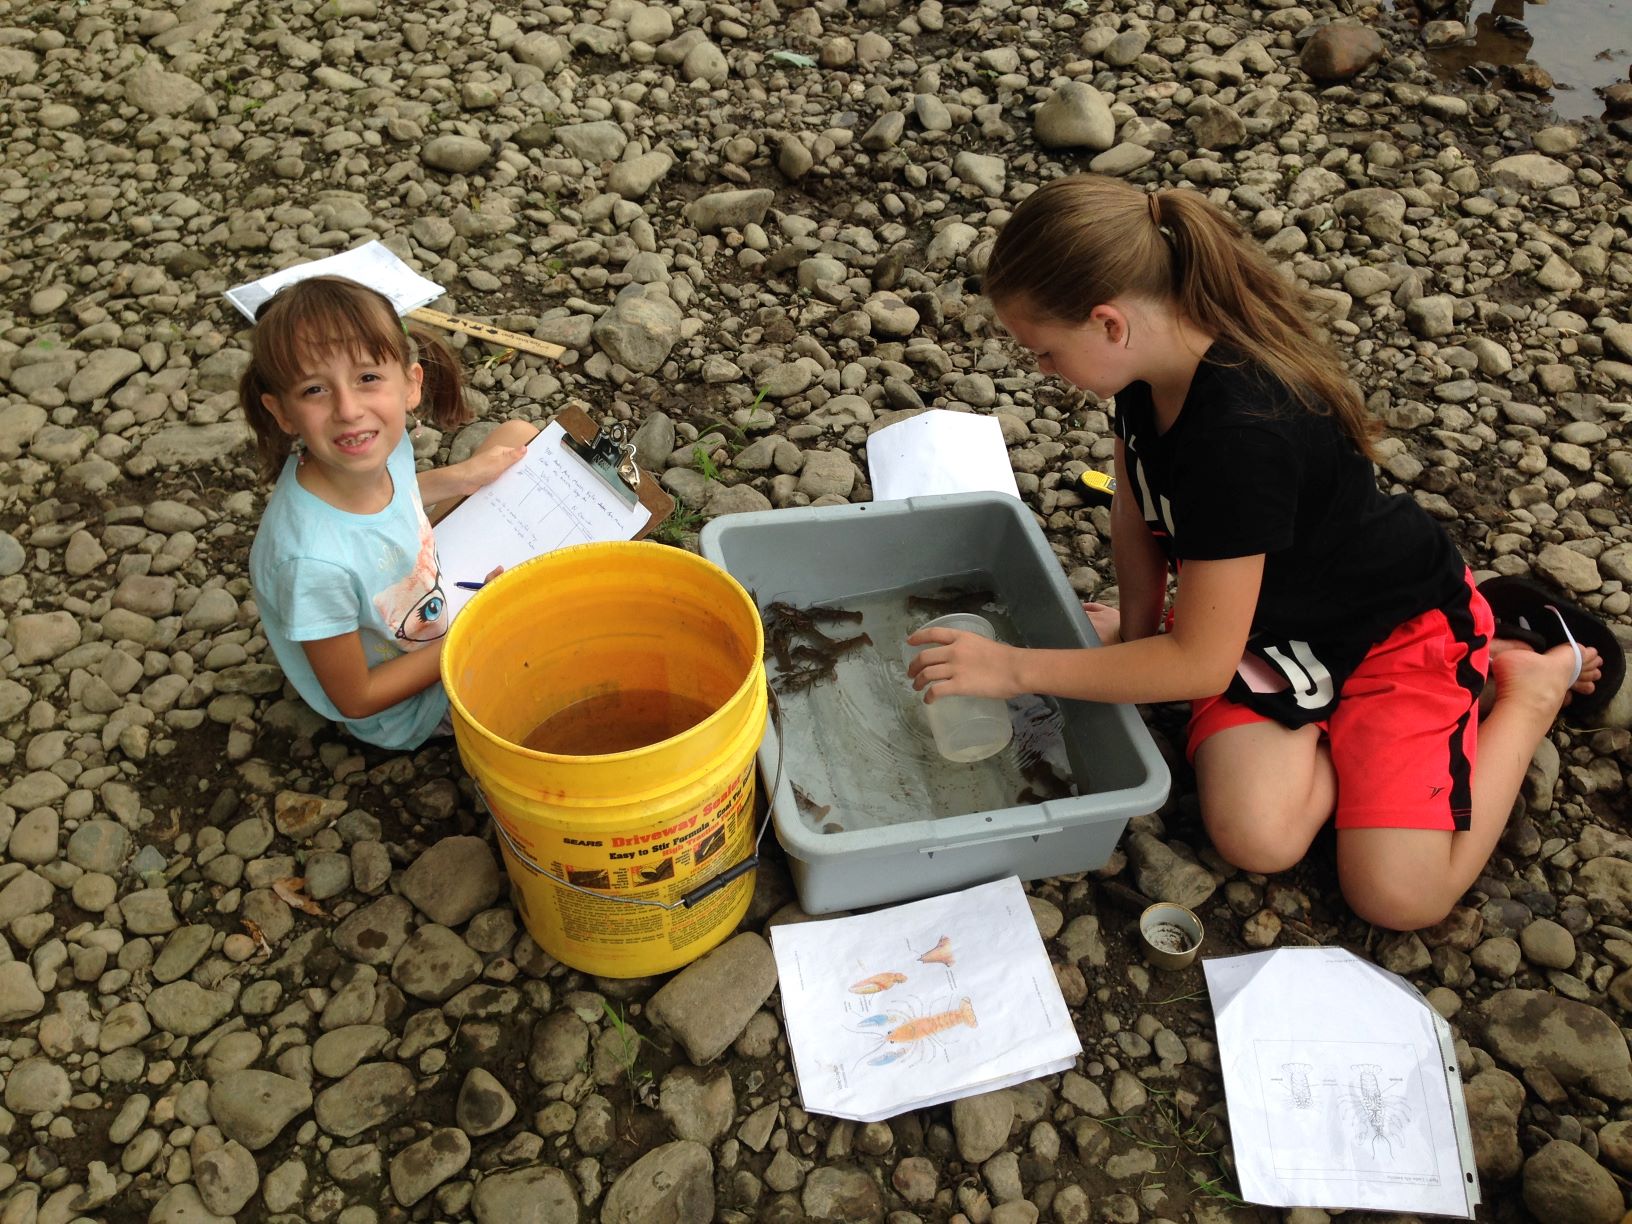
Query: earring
<point x="297" y="448"/>
<point x="417" y="428"/>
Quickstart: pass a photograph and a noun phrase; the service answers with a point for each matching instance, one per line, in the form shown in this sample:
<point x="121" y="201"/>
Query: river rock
<point x="226" y="1178"/>
<point x="538" y="1194"/>
<point x="708" y="1004"/>
<point x="373" y="1093"/>
<point x="1076" y="117"/>
<point x="1574" y="1041"/>
<point x="456" y="154"/>
<point x="720" y="210"/>
<point x="186" y="1008"/>
<point x="1340" y="52"/>
<point x="453" y="880"/>
<point x="421" y="1167"/>
<point x="252" y="1107"/>
<point x="1562" y="1183"/>
<point x="639" y="332"/>
<point x="37" y="1085"/>
<point x="672" y="1183"/>
<point x="154" y="91"/>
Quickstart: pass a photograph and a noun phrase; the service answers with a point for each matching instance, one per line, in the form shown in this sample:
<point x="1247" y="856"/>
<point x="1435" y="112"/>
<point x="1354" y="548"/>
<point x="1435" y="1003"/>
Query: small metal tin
<point x="1171" y="935"/>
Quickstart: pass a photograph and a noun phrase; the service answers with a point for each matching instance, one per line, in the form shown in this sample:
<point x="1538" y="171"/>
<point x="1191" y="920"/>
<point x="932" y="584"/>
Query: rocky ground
<point x="249" y="969"/>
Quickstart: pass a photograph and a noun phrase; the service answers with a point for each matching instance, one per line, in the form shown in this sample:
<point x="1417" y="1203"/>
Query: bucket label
<point x="659" y="863"/>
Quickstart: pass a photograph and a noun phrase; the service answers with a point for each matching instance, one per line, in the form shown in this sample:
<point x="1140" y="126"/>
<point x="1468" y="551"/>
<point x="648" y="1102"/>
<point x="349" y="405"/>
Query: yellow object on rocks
<point x="608" y="699"/>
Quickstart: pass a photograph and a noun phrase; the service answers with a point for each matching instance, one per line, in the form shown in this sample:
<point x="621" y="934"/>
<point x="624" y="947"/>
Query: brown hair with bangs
<point x="1078" y="242"/>
<point x="328" y="312"/>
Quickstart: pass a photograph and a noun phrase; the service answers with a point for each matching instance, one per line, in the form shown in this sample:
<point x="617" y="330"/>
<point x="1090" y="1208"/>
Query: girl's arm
<point x="1141" y="566"/>
<point x="463" y="479"/>
<point x="359" y="690"/>
<point x="1212" y="615"/>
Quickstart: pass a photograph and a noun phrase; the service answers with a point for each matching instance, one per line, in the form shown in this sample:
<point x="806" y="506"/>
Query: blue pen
<point x="470" y="586"/>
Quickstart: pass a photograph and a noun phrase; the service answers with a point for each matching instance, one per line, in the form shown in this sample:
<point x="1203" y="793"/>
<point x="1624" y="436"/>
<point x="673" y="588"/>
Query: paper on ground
<point x="548" y="500"/>
<point x="1342" y="1086"/>
<point x="939" y="452"/>
<point x="371" y="264"/>
<point x="921" y="1003"/>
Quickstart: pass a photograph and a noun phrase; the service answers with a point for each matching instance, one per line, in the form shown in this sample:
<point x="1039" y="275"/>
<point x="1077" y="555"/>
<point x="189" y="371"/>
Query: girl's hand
<point x="1106" y="620"/>
<point x="961" y="664"/>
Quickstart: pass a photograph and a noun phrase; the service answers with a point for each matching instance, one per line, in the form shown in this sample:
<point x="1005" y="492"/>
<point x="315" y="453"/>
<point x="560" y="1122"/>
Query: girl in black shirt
<point x="1328" y="635"/>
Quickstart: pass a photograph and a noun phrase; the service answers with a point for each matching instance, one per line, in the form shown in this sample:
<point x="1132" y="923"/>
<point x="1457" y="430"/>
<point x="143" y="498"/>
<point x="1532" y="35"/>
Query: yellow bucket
<point x="610" y="851"/>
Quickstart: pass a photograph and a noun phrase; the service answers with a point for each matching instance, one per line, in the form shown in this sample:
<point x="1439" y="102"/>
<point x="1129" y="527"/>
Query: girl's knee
<point x="1396" y="902"/>
<point x="1398" y="913"/>
<point x="512" y="433"/>
<point x="1258" y="843"/>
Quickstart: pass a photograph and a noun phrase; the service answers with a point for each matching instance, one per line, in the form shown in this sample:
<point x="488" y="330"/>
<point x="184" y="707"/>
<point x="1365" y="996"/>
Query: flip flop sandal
<point x="1531" y="613"/>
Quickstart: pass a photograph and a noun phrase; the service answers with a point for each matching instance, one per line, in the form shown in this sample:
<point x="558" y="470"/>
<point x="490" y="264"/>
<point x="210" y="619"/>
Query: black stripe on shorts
<point x="1459" y="618"/>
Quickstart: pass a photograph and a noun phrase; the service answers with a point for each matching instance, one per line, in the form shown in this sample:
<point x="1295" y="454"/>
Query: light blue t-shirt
<point x="319" y="571"/>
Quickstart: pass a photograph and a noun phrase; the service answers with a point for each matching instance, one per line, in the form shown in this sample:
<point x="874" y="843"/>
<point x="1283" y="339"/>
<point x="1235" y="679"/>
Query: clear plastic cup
<point x="966" y="728"/>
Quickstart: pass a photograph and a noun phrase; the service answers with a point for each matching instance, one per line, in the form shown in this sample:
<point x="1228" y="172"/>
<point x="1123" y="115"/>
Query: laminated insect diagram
<point x="921" y="1003"/>
<point x="908" y="1027"/>
<point x="1335" y="1106"/>
<point x="1342" y="1084"/>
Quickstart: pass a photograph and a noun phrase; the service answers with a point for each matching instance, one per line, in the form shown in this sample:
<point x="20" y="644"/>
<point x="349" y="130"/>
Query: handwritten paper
<point x="371" y="264"/>
<point x="548" y="500"/>
<point x="1354" y="1105"/>
<point x="940" y="452"/>
<point x="922" y="1003"/>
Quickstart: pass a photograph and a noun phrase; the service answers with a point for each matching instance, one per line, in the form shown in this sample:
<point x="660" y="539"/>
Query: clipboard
<point x="612" y="460"/>
<point x="553" y="498"/>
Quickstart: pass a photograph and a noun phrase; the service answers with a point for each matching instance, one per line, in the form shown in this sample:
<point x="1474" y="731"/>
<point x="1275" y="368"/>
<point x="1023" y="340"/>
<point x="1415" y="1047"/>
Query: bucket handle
<point x="709" y="886"/>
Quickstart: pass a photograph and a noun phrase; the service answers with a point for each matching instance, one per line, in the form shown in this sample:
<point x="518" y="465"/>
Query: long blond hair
<point x="325" y="312"/>
<point x="1081" y="241"/>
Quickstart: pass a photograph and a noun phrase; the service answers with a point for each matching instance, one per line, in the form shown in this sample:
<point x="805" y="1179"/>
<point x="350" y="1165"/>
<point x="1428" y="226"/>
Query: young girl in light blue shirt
<point x="344" y="563"/>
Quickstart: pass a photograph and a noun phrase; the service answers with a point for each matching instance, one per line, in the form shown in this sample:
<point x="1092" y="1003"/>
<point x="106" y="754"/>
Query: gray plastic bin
<point x="833" y="553"/>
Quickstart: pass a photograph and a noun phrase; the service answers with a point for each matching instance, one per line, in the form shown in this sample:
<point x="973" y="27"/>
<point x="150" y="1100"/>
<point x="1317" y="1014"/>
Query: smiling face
<point x="350" y="409"/>
<point x="1091" y="355"/>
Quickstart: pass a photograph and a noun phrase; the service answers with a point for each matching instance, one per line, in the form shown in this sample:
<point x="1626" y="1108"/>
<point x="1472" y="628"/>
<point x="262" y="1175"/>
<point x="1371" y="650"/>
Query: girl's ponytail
<point x="272" y="445"/>
<point x="442" y="395"/>
<point x="1081" y="241"/>
<point x="1226" y="284"/>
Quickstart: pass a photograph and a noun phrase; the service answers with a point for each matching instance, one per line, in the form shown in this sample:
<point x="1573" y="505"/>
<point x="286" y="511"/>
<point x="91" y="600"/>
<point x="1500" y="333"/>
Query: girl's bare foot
<point x="1520" y="673"/>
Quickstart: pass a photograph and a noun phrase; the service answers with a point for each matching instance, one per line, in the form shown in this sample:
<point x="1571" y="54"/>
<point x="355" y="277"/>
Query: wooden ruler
<point x="486" y="331"/>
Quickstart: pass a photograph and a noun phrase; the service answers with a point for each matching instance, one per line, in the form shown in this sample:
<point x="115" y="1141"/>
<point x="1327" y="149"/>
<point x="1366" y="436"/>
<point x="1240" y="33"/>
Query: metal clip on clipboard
<point x="611" y="458"/>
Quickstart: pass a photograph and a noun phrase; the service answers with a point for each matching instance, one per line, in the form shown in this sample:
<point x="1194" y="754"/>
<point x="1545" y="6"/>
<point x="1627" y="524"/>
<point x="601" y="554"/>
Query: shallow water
<point x="1583" y="44"/>
<point x="858" y="749"/>
<point x="619" y="721"/>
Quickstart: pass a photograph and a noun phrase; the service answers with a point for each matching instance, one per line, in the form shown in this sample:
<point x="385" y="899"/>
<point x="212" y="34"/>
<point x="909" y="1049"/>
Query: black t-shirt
<point x="1246" y="469"/>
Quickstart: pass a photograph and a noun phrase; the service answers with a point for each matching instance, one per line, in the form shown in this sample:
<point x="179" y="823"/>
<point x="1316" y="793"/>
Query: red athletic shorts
<point x="1403" y="736"/>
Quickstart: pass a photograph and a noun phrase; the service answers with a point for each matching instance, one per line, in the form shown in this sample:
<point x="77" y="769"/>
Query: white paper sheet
<point x="371" y="264"/>
<point x="548" y="500"/>
<point x="1342" y="1086"/>
<point x="940" y="452"/>
<point x="921" y="1003"/>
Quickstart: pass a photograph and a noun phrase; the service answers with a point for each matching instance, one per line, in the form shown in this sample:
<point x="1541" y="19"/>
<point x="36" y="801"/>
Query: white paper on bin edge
<point x="939" y="451"/>
<point x="371" y="264"/>
<point x="1000" y="978"/>
<point x="1342" y="1085"/>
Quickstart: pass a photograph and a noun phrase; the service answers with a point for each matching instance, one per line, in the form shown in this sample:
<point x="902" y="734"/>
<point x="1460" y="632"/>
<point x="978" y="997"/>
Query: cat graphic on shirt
<point x="415" y="606"/>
